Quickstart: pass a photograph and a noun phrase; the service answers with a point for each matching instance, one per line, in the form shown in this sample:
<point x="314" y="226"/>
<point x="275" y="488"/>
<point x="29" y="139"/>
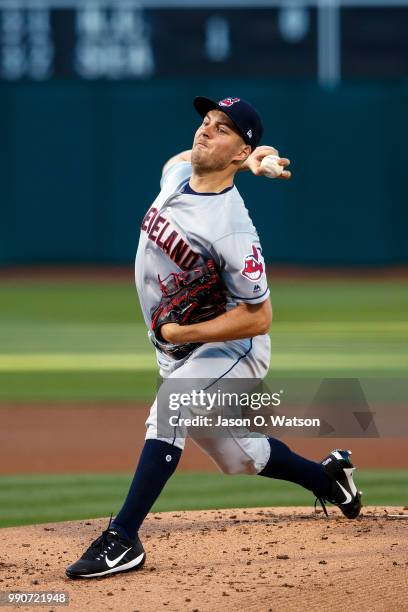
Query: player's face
<point x="217" y="145"/>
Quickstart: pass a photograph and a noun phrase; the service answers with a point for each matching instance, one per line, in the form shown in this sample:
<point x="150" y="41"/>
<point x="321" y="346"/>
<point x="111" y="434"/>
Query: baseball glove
<point x="189" y="297"/>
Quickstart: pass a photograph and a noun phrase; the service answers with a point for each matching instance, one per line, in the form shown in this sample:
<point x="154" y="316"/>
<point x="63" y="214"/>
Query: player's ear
<point x="244" y="153"/>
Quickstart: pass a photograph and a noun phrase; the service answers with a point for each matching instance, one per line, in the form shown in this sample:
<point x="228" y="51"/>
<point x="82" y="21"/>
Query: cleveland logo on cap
<point x="228" y="101"/>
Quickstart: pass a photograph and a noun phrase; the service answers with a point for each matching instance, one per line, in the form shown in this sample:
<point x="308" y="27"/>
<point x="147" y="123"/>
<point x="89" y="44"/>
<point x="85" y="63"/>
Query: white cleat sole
<point x="122" y="568"/>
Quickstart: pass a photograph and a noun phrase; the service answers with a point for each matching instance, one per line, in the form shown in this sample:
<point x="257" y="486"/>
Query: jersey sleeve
<point x="175" y="176"/>
<point x="243" y="267"/>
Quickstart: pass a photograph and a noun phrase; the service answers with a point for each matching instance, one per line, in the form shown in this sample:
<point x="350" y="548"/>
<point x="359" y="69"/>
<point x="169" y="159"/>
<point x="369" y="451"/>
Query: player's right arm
<point x="253" y="163"/>
<point x="184" y="156"/>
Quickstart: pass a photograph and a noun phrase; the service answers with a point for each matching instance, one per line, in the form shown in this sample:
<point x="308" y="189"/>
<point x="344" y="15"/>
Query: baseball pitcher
<point x="201" y="281"/>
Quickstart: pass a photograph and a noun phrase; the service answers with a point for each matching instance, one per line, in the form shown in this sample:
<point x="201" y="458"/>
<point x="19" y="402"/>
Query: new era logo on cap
<point x="249" y="133"/>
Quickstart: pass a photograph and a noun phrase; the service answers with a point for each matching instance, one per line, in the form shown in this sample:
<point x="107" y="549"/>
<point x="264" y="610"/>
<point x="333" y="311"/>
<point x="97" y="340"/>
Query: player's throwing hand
<point x="253" y="163"/>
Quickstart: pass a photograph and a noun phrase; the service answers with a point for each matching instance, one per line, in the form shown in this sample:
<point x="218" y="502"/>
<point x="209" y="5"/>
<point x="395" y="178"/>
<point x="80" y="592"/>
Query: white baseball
<point x="271" y="166"/>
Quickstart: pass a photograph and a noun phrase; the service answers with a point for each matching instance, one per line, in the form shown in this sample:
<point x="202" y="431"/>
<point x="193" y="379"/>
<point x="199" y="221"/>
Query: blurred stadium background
<point x="95" y="95"/>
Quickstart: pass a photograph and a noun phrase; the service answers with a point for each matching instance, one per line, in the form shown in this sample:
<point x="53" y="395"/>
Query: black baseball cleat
<point x="108" y="554"/>
<point x="343" y="492"/>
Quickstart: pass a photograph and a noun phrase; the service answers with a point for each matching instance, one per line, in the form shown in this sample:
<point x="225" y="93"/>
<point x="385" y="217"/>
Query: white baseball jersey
<point x="183" y="228"/>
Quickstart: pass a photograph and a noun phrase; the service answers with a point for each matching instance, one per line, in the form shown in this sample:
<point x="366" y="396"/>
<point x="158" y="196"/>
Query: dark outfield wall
<point x="80" y="163"/>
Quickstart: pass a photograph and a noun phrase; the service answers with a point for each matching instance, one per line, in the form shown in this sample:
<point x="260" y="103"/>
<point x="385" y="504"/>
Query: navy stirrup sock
<point x="287" y="465"/>
<point x="157" y="463"/>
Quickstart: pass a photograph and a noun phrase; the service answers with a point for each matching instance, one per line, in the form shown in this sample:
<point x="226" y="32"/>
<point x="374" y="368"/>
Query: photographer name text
<point x="258" y="420"/>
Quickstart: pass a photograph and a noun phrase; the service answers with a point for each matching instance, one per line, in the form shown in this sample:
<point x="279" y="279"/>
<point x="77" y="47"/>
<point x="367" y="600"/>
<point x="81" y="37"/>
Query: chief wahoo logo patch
<point x="253" y="265"/>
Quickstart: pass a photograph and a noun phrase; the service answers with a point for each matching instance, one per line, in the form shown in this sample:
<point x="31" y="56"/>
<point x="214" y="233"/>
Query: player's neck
<point x="213" y="182"/>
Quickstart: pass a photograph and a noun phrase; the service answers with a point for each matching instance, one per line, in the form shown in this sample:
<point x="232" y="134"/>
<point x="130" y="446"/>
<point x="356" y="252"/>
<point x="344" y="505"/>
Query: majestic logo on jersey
<point x="228" y="101"/>
<point x="160" y="231"/>
<point x="253" y="265"/>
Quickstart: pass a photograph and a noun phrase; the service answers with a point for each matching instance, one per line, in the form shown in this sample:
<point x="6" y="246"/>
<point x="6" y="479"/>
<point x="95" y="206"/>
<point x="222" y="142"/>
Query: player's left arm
<point x="243" y="321"/>
<point x="253" y="162"/>
<point x="242" y="267"/>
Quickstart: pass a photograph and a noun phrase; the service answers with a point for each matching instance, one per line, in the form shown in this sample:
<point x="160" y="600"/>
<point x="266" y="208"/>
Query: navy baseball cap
<point x="245" y="118"/>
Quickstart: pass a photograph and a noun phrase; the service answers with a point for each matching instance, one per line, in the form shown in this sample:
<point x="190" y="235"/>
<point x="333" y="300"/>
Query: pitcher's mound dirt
<point x="254" y="559"/>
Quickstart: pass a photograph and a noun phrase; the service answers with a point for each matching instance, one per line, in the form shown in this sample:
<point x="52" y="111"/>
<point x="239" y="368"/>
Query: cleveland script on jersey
<point x="183" y="228"/>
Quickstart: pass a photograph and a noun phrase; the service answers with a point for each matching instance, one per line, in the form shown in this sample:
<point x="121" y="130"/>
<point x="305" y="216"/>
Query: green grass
<point x="87" y="340"/>
<point x="37" y="387"/>
<point x="39" y="499"/>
